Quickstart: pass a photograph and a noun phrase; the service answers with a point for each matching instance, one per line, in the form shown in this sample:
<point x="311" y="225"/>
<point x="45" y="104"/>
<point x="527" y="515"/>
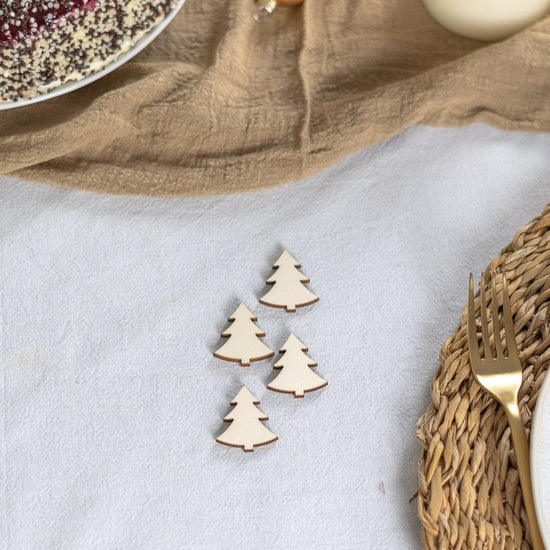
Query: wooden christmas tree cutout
<point x="288" y="289"/>
<point x="296" y="375"/>
<point x="246" y="429"/>
<point x="244" y="344"/>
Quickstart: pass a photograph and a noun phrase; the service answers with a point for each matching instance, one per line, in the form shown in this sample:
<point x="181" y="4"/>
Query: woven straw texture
<point x="469" y="494"/>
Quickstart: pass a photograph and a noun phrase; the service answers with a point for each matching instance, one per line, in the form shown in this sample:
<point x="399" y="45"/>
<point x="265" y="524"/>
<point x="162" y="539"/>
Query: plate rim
<point x="535" y="459"/>
<point x="71" y="86"/>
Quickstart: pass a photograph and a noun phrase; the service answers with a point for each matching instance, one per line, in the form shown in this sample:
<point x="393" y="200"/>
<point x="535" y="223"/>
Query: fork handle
<point x="521" y="446"/>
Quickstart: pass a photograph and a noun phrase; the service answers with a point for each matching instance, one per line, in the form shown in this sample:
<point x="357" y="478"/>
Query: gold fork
<point x="501" y="377"/>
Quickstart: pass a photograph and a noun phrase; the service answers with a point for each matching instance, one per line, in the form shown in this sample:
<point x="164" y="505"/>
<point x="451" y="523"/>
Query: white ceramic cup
<point x="486" y="19"/>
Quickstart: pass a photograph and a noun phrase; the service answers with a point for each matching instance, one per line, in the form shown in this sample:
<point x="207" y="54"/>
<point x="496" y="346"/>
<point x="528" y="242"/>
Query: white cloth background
<point x="111" y="308"/>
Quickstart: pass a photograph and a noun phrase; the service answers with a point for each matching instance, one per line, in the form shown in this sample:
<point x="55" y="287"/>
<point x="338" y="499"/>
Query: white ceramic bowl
<point x="540" y="460"/>
<point x="486" y="19"/>
<point x="75" y="85"/>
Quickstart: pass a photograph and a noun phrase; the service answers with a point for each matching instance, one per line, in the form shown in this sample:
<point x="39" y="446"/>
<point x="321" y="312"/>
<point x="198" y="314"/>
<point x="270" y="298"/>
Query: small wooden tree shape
<point x="296" y="375"/>
<point x="288" y="286"/>
<point x="246" y="429"/>
<point x="244" y="344"/>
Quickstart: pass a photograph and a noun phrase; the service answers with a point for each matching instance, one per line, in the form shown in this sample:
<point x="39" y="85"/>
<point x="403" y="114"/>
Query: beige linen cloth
<point x="220" y="103"/>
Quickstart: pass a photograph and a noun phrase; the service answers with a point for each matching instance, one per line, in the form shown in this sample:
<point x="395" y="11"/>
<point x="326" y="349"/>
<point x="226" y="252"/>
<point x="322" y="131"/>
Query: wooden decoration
<point x="244" y="344"/>
<point x="288" y="289"/>
<point x="246" y="429"/>
<point x="296" y="375"/>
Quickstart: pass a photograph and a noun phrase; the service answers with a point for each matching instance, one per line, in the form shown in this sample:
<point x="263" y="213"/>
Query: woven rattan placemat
<point x="469" y="495"/>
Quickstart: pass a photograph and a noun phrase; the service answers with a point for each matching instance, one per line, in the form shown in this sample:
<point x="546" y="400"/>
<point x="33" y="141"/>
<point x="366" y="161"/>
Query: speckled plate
<point x="75" y="85"/>
<point x="540" y="460"/>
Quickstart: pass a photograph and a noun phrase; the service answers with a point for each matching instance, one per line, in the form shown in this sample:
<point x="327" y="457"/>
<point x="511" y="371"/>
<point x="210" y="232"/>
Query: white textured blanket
<point x="111" y="308"/>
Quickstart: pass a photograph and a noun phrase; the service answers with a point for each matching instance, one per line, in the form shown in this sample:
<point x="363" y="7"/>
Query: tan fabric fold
<point x="220" y="103"/>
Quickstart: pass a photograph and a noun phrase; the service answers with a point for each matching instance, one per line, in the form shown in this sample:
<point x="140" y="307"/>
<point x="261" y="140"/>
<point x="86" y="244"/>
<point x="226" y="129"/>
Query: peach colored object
<point x="289" y="3"/>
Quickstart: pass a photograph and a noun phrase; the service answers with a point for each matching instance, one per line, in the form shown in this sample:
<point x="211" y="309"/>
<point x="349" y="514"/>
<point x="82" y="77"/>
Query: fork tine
<point x="508" y="320"/>
<point x="501" y="377"/>
<point x="496" y="324"/>
<point x="472" y="330"/>
<point x="484" y="322"/>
